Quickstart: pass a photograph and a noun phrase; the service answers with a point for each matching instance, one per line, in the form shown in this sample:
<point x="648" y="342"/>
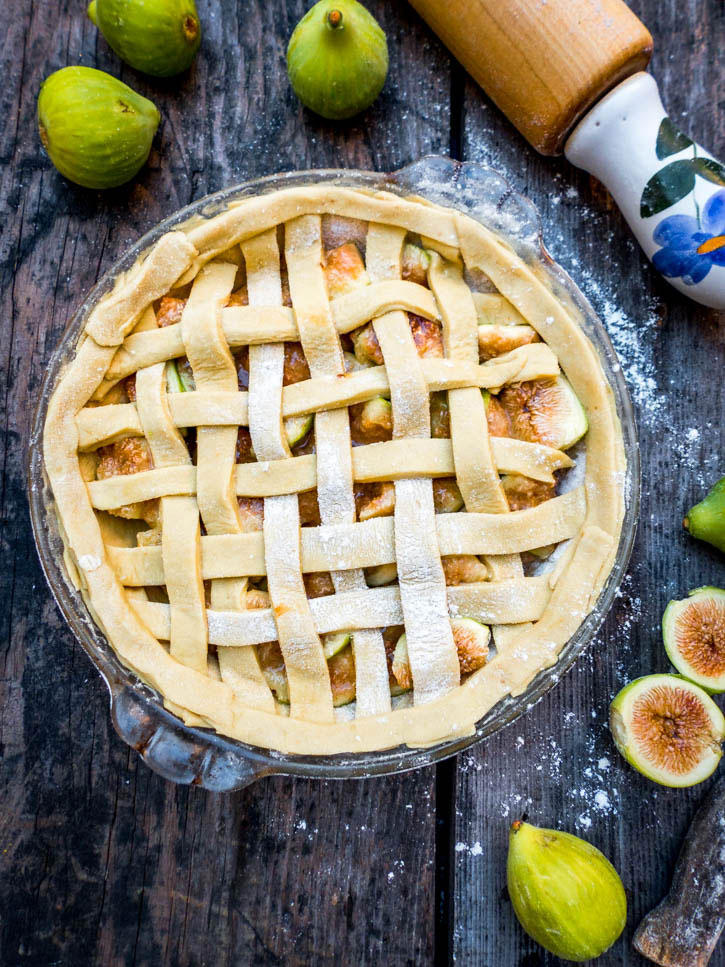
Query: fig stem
<point x="334" y="19"/>
<point x="516" y="825"/>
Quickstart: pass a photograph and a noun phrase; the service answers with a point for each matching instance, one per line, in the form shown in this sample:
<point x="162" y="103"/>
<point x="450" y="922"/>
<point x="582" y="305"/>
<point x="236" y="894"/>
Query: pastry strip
<point x="321" y="345"/>
<point x="191" y="409"/>
<point x="307" y="673"/>
<point x="477" y="468"/>
<point x="117" y="314"/>
<point x="413" y="457"/>
<point x="552" y="320"/>
<point x="533" y="361"/>
<point x="506" y="601"/>
<point x="431" y="649"/>
<point x="369" y="543"/>
<point x="431" y="457"/>
<point x="180" y="534"/>
<point x="476" y="472"/>
<point x="240" y="666"/>
<point x="130" y="637"/>
<point x="248" y="325"/>
<point x="309" y="679"/>
<point x="214" y="371"/>
<point x="255" y="215"/>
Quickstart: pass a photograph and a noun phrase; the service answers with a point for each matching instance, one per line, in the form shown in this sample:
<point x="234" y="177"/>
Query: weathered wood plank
<point x="102" y="861"/>
<point x="558" y="764"/>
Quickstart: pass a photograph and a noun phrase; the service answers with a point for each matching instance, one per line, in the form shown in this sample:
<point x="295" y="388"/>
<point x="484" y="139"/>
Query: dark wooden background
<point x="101" y="861"/>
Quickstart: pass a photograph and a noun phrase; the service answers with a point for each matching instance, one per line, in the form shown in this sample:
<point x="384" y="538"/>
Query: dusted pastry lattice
<point x="198" y="555"/>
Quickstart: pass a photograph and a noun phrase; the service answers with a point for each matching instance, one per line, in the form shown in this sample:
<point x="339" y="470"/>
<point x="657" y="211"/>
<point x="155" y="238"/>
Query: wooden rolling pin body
<point x="544" y="62"/>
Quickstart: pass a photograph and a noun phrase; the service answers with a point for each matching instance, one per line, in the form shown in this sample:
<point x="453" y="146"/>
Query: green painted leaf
<point x="670" y="140"/>
<point x="667" y="187"/>
<point x="711" y="170"/>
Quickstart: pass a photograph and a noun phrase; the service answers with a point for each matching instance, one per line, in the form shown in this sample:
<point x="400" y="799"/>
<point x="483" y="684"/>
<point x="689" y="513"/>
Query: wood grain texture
<point x="101" y="861"/>
<point x="551" y="759"/>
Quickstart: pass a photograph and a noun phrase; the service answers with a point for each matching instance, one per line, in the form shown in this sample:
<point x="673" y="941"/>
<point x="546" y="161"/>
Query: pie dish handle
<point x="177" y="752"/>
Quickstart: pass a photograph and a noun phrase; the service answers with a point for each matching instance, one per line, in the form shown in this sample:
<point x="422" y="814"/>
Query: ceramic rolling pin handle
<point x="544" y="62"/>
<point x="670" y="190"/>
<point x="684" y="929"/>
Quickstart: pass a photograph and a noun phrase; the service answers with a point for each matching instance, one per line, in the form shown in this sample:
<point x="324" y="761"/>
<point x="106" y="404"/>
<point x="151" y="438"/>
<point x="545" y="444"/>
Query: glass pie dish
<point x="186" y="754"/>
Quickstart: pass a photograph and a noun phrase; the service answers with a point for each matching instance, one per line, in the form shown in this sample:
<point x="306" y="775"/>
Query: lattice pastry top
<point x="304" y="456"/>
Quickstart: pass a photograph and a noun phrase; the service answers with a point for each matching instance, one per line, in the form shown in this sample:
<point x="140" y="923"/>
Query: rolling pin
<point x="569" y="74"/>
<point x="684" y="929"/>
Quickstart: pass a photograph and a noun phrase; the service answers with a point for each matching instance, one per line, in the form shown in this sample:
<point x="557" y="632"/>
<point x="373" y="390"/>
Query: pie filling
<point x="308" y="461"/>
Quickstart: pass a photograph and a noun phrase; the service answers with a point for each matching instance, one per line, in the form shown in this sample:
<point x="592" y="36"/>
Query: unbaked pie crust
<point x="167" y="642"/>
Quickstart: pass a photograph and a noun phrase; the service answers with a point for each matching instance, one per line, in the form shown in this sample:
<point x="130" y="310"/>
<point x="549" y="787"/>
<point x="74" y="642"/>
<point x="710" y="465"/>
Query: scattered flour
<point x="475" y="850"/>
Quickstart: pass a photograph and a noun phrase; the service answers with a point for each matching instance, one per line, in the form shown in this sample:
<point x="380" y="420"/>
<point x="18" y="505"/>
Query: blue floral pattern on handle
<point x="691" y="246"/>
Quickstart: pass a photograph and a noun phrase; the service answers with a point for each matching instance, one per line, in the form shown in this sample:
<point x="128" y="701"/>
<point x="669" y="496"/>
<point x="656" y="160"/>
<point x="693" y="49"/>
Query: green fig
<point x="159" y="37"/>
<point x="706" y="520"/>
<point x="96" y="130"/>
<point x="669" y="729"/>
<point x="565" y="892"/>
<point x="694" y="634"/>
<point x="337" y="59"/>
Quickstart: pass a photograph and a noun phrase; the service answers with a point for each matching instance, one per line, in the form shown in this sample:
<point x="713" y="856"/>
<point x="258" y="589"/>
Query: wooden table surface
<point x="103" y="862"/>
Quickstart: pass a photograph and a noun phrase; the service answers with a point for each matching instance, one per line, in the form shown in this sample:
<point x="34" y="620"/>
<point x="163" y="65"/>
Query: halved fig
<point x="372" y="421"/>
<point x="173" y="379"/>
<point x="296" y="428"/>
<point x="471" y="638"/>
<point x="694" y="633"/>
<point x="345" y="269"/>
<point x="179" y="376"/>
<point x="272" y="664"/>
<point x="669" y="729"/>
<point x="493" y="309"/>
<point x="342" y="677"/>
<point x="401" y="664"/>
<point x="352" y="364"/>
<point x="366" y="346"/>
<point x="523" y="492"/>
<point x="497" y="418"/>
<point x="447" y="497"/>
<point x="380" y="574"/>
<point x="427" y="336"/>
<point x="374" y="499"/>
<point x="440" y="420"/>
<point x="333" y="643"/>
<point x="415" y="265"/>
<point x="464" y="569"/>
<point x="495" y="340"/>
<point x="545" y="411"/>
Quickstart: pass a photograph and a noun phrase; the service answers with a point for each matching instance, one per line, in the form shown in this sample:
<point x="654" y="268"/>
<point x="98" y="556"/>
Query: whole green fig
<point x="159" y="37"/>
<point x="337" y="59"/>
<point x="566" y="894"/>
<point x="706" y="520"/>
<point x="96" y="130"/>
